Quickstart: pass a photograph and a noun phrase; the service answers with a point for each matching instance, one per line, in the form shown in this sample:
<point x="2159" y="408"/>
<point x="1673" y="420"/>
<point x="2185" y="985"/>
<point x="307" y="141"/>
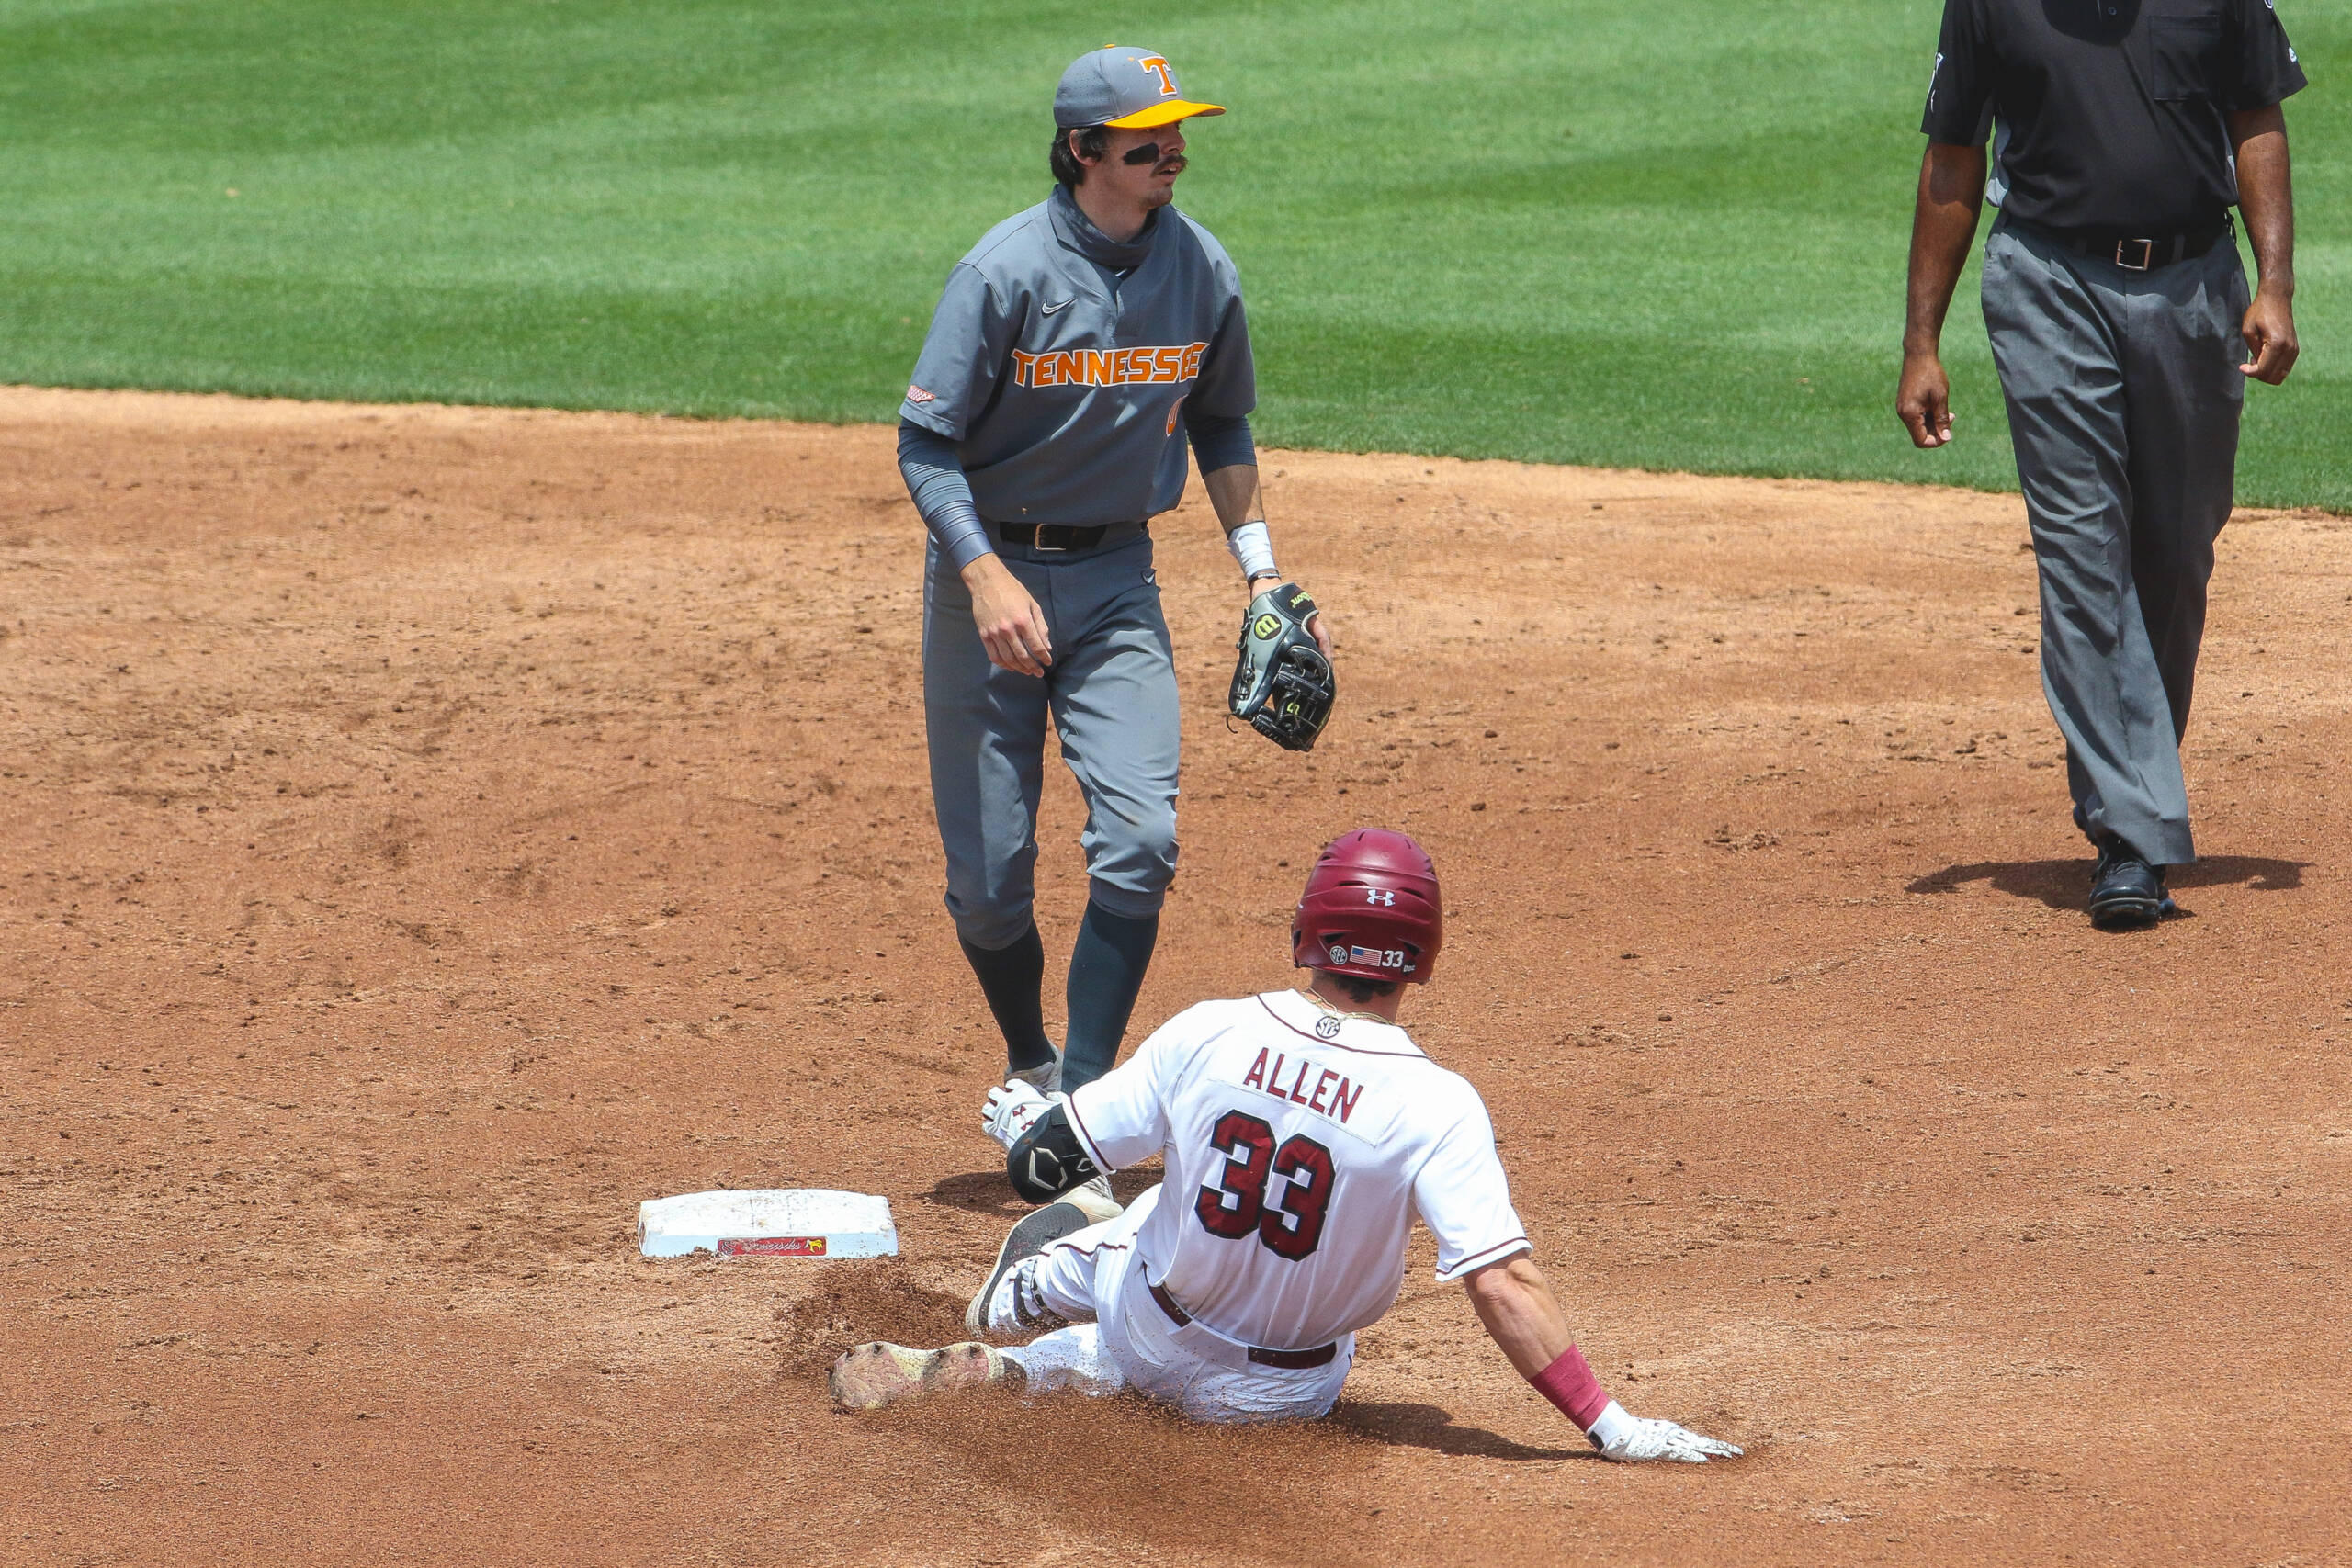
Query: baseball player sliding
<point x="1300" y="1129"/>
<point x="1075" y="350"/>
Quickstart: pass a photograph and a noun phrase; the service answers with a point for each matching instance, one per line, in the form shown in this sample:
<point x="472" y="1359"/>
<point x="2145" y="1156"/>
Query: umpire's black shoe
<point x="2126" y="891"/>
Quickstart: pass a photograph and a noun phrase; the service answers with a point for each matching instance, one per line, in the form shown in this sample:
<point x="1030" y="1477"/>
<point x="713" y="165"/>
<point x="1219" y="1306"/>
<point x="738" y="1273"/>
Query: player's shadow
<point x="978" y="1192"/>
<point x="990" y="1192"/>
<point x="1427" y="1427"/>
<point x="2065" y="883"/>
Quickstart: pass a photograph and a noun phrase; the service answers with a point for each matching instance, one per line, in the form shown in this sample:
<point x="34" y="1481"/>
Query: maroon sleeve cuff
<point x="1568" y="1382"/>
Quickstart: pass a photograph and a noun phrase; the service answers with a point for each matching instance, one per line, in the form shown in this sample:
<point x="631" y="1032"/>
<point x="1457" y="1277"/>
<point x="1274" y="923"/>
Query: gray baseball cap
<point x="1131" y="88"/>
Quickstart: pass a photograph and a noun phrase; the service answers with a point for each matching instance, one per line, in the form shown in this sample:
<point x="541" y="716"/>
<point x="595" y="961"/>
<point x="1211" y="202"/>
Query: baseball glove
<point x="1282" y="684"/>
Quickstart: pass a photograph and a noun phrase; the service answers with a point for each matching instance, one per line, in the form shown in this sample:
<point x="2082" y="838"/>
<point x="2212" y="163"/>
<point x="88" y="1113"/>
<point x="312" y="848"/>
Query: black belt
<point x="1052" y="537"/>
<point x="2133" y="252"/>
<point x="1318" y="1357"/>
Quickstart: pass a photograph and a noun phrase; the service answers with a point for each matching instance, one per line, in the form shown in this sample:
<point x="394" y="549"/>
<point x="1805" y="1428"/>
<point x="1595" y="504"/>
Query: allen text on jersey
<point x="1332" y="1095"/>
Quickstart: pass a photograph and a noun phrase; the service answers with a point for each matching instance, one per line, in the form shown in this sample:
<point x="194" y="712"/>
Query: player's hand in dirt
<point x="1012" y="627"/>
<point x="1923" y="400"/>
<point x="1633" y="1440"/>
<point x="1011" y="1108"/>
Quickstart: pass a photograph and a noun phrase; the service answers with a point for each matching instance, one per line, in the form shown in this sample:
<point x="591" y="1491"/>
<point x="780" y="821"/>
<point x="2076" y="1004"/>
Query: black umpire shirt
<point x="2112" y="111"/>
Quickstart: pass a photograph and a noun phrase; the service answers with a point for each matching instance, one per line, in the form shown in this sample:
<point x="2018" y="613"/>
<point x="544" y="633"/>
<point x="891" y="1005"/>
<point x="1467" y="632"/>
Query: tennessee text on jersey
<point x="1108" y="367"/>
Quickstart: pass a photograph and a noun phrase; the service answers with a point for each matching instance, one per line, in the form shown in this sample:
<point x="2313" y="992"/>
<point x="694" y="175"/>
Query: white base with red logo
<point x="786" y="1222"/>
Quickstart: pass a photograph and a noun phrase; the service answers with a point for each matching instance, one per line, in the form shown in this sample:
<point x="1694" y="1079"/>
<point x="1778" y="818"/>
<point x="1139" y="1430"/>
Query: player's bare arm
<point x="1241" y="512"/>
<point x="2266" y="196"/>
<point x="1012" y="627"/>
<point x="1943" y="222"/>
<point x="1515" y="1303"/>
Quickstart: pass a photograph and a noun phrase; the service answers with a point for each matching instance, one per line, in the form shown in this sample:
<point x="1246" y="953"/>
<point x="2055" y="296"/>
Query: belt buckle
<point x="1037" y="540"/>
<point x="2147" y="255"/>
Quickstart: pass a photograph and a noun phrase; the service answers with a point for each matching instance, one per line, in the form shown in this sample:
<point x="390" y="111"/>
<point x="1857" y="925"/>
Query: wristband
<point x="1610" y="1428"/>
<point x="1252" y="549"/>
<point x="1568" y="1382"/>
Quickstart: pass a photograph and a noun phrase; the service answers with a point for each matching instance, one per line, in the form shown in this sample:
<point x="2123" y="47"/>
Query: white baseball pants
<point x="1120" y="1338"/>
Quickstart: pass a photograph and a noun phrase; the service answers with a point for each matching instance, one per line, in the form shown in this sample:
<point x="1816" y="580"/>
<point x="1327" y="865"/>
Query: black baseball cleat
<point x="2126" y="891"/>
<point x="1031" y="1237"/>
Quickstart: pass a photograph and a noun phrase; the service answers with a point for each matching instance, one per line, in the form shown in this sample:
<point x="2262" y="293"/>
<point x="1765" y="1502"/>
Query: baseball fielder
<point x="1300" y="1130"/>
<point x="1075" y="350"/>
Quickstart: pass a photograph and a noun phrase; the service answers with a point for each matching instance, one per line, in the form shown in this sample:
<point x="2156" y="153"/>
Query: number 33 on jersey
<point x="1290" y="1135"/>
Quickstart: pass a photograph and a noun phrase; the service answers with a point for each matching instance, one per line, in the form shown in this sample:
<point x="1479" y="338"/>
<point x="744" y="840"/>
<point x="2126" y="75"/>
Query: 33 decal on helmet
<point x="1371" y="908"/>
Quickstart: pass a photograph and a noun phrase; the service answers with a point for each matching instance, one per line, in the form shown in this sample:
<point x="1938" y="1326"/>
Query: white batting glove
<point x="1632" y="1440"/>
<point x="1011" y="1109"/>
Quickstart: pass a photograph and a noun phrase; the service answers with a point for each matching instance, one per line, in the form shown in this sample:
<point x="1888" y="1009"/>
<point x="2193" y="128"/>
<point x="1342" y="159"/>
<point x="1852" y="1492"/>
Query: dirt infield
<point x="432" y="831"/>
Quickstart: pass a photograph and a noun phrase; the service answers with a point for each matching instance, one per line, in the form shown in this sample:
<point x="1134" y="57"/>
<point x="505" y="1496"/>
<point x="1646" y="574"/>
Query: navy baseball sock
<point x="1013" y="980"/>
<point x="1107" y="967"/>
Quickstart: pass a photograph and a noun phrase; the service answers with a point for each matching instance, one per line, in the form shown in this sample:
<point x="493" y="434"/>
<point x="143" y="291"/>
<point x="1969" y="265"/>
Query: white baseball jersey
<point x="1296" y="1143"/>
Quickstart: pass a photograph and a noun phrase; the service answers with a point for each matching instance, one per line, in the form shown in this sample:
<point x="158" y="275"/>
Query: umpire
<point x="1078" y="349"/>
<point x="2123" y="132"/>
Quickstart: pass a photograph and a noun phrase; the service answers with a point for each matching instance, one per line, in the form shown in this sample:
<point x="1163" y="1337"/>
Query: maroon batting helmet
<point x="1370" y="910"/>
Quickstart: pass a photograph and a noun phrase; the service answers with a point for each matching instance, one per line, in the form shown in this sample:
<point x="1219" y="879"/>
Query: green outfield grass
<point x="1667" y="234"/>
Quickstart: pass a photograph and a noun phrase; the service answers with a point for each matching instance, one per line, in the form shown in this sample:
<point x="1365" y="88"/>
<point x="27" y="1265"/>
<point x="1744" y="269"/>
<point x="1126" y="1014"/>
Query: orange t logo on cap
<point x="1157" y="66"/>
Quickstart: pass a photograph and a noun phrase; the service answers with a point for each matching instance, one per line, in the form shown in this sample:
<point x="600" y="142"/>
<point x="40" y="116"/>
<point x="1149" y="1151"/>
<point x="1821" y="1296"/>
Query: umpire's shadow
<point x="1427" y="1427"/>
<point x="2065" y="883"/>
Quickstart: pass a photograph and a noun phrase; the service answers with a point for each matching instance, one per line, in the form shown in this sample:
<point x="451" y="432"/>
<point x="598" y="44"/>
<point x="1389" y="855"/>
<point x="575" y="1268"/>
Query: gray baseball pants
<point x="1110" y="694"/>
<point x="2123" y="392"/>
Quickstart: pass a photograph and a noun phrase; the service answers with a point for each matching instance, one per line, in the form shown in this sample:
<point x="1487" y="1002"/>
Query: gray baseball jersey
<point x="1064" y="365"/>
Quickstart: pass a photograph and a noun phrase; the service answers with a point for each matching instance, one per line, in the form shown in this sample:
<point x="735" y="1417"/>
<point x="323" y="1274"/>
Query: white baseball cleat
<point x="876" y="1374"/>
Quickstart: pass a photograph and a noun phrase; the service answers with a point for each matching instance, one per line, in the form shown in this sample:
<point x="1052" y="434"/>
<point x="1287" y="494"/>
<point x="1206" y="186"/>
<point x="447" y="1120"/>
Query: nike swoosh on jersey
<point x="1065" y="305"/>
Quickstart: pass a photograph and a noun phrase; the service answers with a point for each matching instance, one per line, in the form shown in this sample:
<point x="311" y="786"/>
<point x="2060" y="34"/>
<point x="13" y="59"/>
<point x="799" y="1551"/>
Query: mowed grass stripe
<point x="1666" y="235"/>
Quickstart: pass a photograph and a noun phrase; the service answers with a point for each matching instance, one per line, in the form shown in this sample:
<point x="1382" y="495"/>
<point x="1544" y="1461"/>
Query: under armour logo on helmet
<point x="1381" y="896"/>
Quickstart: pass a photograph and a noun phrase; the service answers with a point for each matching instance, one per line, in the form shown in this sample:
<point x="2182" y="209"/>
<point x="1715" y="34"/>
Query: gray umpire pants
<point x="1111" y="695"/>
<point x="2124" y="392"/>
